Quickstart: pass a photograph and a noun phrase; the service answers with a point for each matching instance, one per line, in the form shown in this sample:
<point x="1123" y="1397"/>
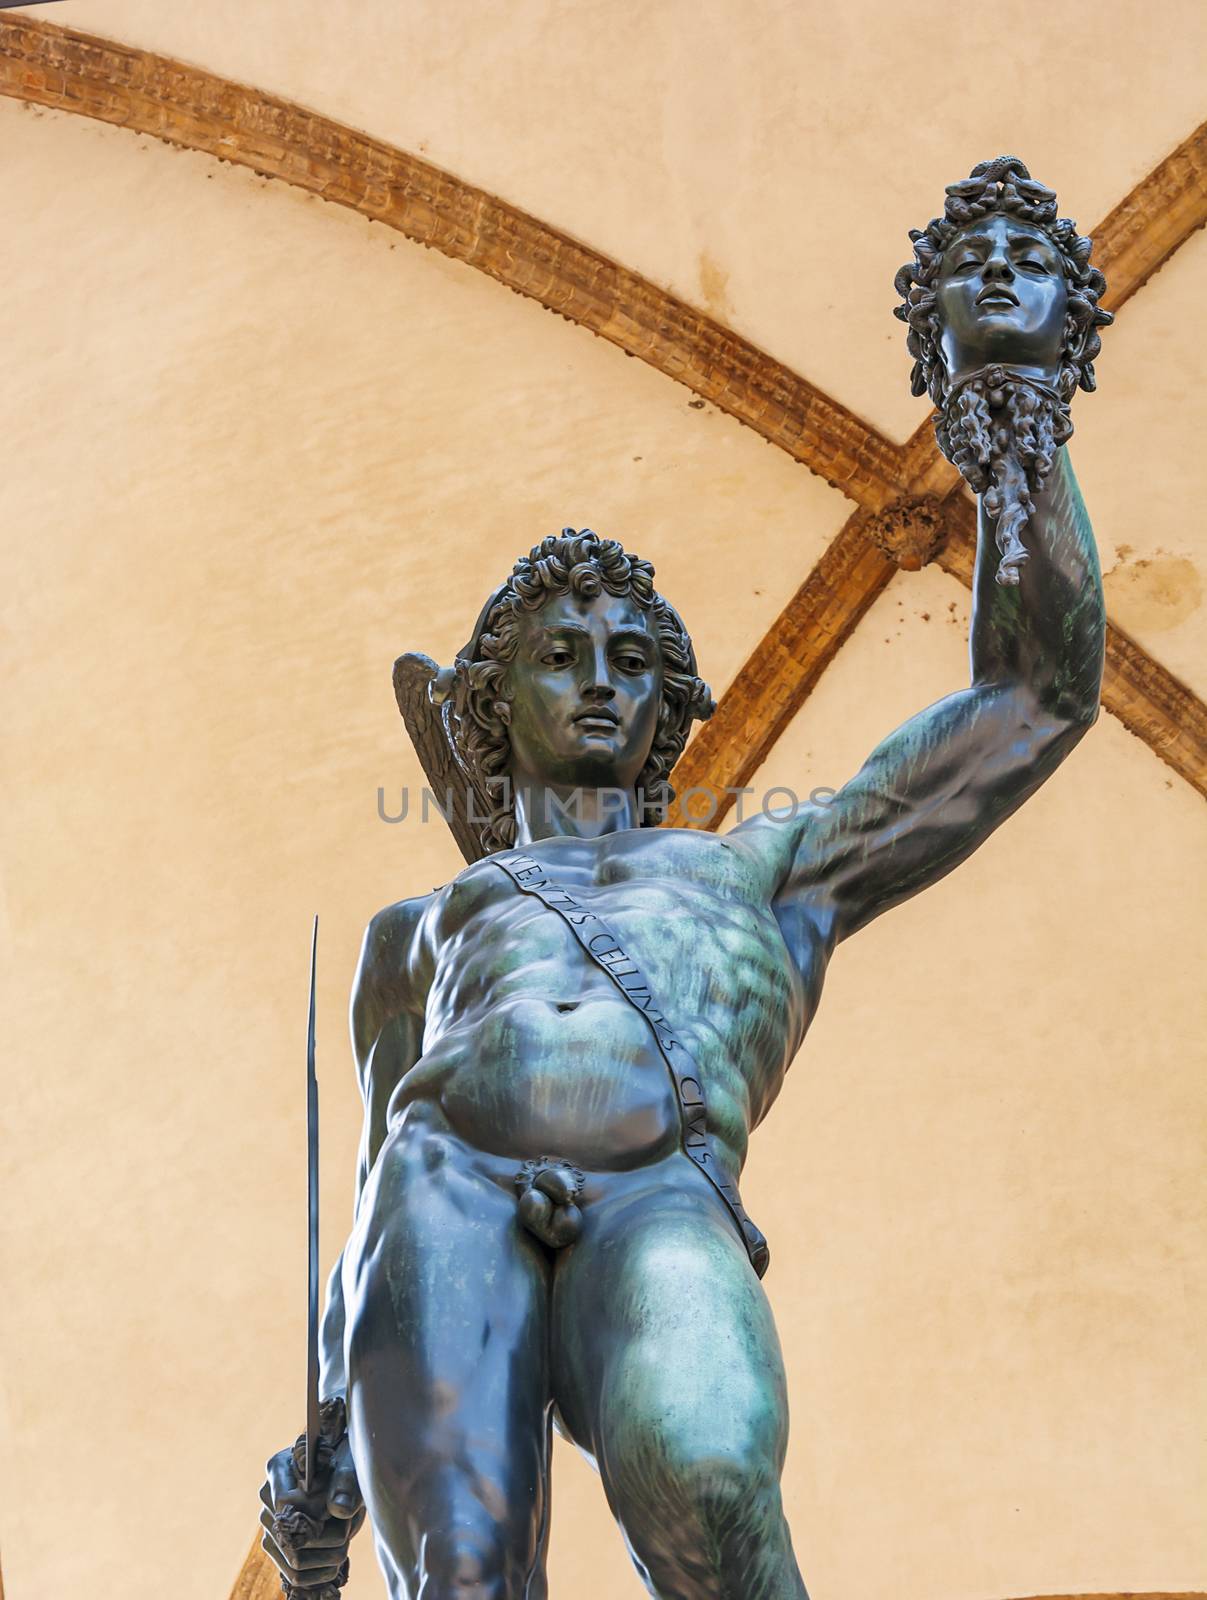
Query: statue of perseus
<point x="562" y="1053"/>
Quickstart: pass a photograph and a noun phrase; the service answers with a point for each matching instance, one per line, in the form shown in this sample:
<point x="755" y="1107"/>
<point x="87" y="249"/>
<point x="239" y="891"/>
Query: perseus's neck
<point x="565" y="811"/>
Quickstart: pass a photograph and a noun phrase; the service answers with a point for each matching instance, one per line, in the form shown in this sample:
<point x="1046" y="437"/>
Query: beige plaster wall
<point x="1140" y="437"/>
<point x="255" y="447"/>
<point x="763" y="158"/>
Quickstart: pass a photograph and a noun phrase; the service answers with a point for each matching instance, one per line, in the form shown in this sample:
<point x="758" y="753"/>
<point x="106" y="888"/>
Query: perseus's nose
<point x="599" y="685"/>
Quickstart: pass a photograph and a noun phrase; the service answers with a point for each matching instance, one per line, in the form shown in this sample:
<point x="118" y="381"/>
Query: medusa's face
<point x="1002" y="296"/>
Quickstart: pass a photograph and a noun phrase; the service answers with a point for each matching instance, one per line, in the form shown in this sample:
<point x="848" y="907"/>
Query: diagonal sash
<point x="606" y="951"/>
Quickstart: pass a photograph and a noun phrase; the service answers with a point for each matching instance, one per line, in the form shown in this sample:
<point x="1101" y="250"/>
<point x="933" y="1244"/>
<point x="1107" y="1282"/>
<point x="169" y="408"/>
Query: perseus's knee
<point x="465" y="1564"/>
<point x="709" y="1498"/>
<point x="714" y="1489"/>
<point x="711" y="1527"/>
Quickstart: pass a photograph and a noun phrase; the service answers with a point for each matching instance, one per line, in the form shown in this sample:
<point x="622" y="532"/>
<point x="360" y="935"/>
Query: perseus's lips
<point x="596" y="719"/>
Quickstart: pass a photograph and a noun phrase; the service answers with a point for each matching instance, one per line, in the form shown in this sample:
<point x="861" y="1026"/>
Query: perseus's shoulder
<point x="389" y="974"/>
<point x="778" y="841"/>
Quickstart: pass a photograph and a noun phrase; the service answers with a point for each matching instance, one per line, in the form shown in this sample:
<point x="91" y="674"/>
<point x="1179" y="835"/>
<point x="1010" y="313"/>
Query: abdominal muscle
<point x="582" y="1081"/>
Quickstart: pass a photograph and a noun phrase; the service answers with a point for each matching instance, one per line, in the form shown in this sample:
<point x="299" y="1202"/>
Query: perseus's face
<point x="1002" y="296"/>
<point x="585" y="689"/>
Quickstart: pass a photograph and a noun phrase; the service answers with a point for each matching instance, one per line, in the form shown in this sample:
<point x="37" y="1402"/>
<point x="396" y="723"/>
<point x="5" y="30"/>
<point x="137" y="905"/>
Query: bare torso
<point x="527" y="1046"/>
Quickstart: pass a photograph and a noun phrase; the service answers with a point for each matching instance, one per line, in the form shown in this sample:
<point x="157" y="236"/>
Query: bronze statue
<point x="563" y="1052"/>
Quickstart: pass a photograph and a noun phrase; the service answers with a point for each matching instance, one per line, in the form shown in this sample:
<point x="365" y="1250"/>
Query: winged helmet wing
<point x="429" y="726"/>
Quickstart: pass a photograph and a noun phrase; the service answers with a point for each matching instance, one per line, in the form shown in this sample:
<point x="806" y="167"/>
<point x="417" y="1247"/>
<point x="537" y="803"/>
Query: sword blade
<point x="312" y="1196"/>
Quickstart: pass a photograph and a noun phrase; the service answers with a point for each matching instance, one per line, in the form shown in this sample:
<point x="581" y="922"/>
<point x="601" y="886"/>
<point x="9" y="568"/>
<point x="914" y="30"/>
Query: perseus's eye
<point x="558" y="657"/>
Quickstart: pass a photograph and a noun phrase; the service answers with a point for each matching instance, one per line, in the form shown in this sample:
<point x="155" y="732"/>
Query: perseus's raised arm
<point x="943" y="781"/>
<point x="1002" y="308"/>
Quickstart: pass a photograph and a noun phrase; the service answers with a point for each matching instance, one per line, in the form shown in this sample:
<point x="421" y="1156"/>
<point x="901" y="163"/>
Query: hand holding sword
<point x="311" y="1499"/>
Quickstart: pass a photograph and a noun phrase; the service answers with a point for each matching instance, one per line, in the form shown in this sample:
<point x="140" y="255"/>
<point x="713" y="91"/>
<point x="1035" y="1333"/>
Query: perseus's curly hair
<point x="1000" y="430"/>
<point x="579" y="563"/>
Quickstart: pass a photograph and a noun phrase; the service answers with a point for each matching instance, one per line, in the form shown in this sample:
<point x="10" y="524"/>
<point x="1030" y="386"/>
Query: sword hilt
<point x="293" y="1527"/>
<point x="333" y="1425"/>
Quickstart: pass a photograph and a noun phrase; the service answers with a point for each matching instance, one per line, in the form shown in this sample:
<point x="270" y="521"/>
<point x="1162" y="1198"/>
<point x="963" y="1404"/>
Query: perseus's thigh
<point x="667" y="1370"/>
<point x="448" y="1381"/>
